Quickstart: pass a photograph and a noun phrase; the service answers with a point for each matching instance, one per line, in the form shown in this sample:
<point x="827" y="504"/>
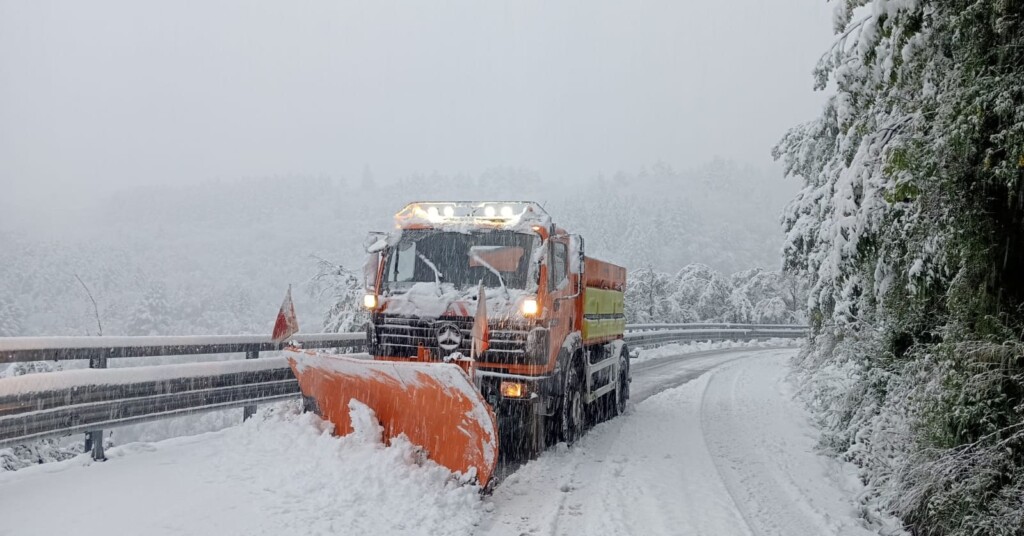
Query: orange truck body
<point x="550" y="310"/>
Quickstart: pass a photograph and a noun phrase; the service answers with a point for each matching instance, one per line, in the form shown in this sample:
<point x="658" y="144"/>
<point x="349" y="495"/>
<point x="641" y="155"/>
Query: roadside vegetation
<point x="910" y="229"/>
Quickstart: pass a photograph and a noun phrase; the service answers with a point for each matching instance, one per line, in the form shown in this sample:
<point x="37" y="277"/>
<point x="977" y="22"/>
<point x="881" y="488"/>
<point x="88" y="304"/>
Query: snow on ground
<point x="729" y="452"/>
<point x="280" y="473"/>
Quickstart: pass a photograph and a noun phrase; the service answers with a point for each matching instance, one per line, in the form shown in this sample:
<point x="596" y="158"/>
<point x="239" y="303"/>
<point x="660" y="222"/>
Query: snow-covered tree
<point x="698" y="293"/>
<point x="764" y="297"/>
<point x="342" y="292"/>
<point x="152" y="316"/>
<point x="648" y="297"/>
<point x="910" y="230"/>
<point x="703" y="291"/>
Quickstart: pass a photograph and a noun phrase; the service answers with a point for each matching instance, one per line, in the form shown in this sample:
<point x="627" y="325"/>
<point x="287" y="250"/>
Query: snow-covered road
<point x="727" y="452"/>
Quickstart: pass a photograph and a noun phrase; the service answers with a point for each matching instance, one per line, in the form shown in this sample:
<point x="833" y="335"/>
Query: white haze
<point x="99" y="95"/>
<point x="212" y="147"/>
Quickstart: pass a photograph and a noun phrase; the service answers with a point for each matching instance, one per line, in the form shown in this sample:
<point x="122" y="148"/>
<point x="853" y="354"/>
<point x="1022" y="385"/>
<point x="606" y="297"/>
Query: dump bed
<point x="603" y="275"/>
<point x="604" y="316"/>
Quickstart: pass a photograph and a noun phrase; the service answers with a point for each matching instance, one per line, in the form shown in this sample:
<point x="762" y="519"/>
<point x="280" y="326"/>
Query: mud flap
<point x="434" y="404"/>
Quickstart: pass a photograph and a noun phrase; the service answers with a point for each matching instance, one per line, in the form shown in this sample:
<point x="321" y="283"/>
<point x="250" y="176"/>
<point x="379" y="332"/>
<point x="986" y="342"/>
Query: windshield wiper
<point x="437" y="273"/>
<point x="494" y="271"/>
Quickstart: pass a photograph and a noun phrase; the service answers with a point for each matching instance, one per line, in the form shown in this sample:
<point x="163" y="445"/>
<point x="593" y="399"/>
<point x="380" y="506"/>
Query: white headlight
<point x="489" y="211"/>
<point x="433" y="213"/>
<point x="370" y="301"/>
<point x="449" y="212"/>
<point x="506" y="211"/>
<point x="530" y="306"/>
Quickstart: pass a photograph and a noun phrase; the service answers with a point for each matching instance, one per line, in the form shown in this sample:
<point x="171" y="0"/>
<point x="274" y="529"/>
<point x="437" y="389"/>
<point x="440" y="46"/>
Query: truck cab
<point x="555" y="318"/>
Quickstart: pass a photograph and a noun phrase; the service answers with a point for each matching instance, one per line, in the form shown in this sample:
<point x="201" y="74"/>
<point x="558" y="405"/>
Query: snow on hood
<point x="430" y="300"/>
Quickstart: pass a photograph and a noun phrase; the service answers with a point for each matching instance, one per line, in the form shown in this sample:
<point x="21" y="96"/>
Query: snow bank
<point x="279" y="473"/>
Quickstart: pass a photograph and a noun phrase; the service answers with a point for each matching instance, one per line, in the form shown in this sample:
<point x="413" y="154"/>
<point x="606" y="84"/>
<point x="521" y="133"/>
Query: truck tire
<point x="572" y="410"/>
<point x="621" y="394"/>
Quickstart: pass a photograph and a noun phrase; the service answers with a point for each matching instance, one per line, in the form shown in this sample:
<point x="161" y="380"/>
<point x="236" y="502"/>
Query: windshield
<point x="498" y="258"/>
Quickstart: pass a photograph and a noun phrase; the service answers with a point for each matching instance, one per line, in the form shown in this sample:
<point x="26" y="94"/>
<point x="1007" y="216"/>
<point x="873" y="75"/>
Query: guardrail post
<point x="94" y="438"/>
<point x="249" y="411"/>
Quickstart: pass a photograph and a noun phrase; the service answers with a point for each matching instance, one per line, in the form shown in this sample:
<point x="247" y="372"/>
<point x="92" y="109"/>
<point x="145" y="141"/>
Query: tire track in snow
<point x="778" y="483"/>
<point x="604" y="484"/>
<point x="730" y="488"/>
<point x="730" y="453"/>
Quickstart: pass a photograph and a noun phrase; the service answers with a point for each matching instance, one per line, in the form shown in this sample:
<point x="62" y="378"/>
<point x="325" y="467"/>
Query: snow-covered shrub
<point x="39" y="451"/>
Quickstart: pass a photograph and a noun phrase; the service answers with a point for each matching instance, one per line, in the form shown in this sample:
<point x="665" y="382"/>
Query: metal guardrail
<point x="59" y="403"/>
<point x="724" y="325"/>
<point x="109" y="406"/>
<point x="20" y="349"/>
<point x="641" y="339"/>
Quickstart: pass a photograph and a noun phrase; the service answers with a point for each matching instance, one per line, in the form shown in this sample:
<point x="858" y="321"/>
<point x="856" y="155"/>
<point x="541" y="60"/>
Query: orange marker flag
<point x="287" y="324"/>
<point x="480" y="332"/>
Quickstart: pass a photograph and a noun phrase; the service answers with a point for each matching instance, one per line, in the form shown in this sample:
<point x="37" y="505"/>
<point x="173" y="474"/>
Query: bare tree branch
<point x="95" y="308"/>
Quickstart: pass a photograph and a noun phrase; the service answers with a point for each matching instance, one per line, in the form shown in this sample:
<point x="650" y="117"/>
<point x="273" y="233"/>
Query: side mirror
<point x="370" y="271"/>
<point x="375" y="241"/>
<point x="576" y="254"/>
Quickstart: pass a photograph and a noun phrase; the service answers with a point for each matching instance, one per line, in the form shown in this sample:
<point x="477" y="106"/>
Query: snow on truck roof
<point x="522" y="216"/>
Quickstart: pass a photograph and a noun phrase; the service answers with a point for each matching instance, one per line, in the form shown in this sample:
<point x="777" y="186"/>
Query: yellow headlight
<point x="530" y="306"/>
<point x="370" y="301"/>
<point x="513" y="389"/>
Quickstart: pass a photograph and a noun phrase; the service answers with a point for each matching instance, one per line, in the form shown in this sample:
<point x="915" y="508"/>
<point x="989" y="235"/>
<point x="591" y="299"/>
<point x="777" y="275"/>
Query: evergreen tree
<point x="910" y="229"/>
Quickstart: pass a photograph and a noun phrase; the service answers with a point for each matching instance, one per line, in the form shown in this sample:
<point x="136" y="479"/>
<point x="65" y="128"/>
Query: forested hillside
<point x="695" y="293"/>
<point x="217" y="260"/>
<point x="910" y="227"/>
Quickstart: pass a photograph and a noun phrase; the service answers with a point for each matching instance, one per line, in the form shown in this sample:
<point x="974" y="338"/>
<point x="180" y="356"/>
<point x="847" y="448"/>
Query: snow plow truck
<point x="492" y="334"/>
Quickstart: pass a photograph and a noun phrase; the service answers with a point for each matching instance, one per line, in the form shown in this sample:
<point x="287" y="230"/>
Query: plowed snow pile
<point x="280" y="473"/>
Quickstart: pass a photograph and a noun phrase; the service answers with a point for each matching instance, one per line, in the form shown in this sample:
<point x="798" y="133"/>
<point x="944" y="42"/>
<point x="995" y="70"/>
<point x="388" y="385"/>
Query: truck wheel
<point x="622" y="391"/>
<point x="573" y="411"/>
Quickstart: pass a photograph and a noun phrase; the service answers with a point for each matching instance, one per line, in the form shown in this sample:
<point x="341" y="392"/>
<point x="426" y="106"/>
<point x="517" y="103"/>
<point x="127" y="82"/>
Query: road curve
<point x="728" y="452"/>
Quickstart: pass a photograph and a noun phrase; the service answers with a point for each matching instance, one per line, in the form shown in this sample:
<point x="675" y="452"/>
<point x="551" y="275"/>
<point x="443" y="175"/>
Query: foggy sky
<point x="98" y="95"/>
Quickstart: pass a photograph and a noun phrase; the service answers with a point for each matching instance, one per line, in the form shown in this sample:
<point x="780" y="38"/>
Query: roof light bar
<point x="498" y="213"/>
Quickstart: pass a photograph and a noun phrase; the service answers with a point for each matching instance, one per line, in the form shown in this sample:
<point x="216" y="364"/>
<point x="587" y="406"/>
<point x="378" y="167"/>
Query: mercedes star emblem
<point x="449" y="337"/>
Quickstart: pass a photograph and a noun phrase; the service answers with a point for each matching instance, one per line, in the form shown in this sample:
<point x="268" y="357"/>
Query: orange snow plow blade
<point x="434" y="404"/>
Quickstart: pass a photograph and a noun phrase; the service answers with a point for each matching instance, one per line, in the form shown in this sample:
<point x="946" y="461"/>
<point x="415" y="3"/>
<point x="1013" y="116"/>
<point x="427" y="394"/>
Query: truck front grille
<point x="397" y="336"/>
